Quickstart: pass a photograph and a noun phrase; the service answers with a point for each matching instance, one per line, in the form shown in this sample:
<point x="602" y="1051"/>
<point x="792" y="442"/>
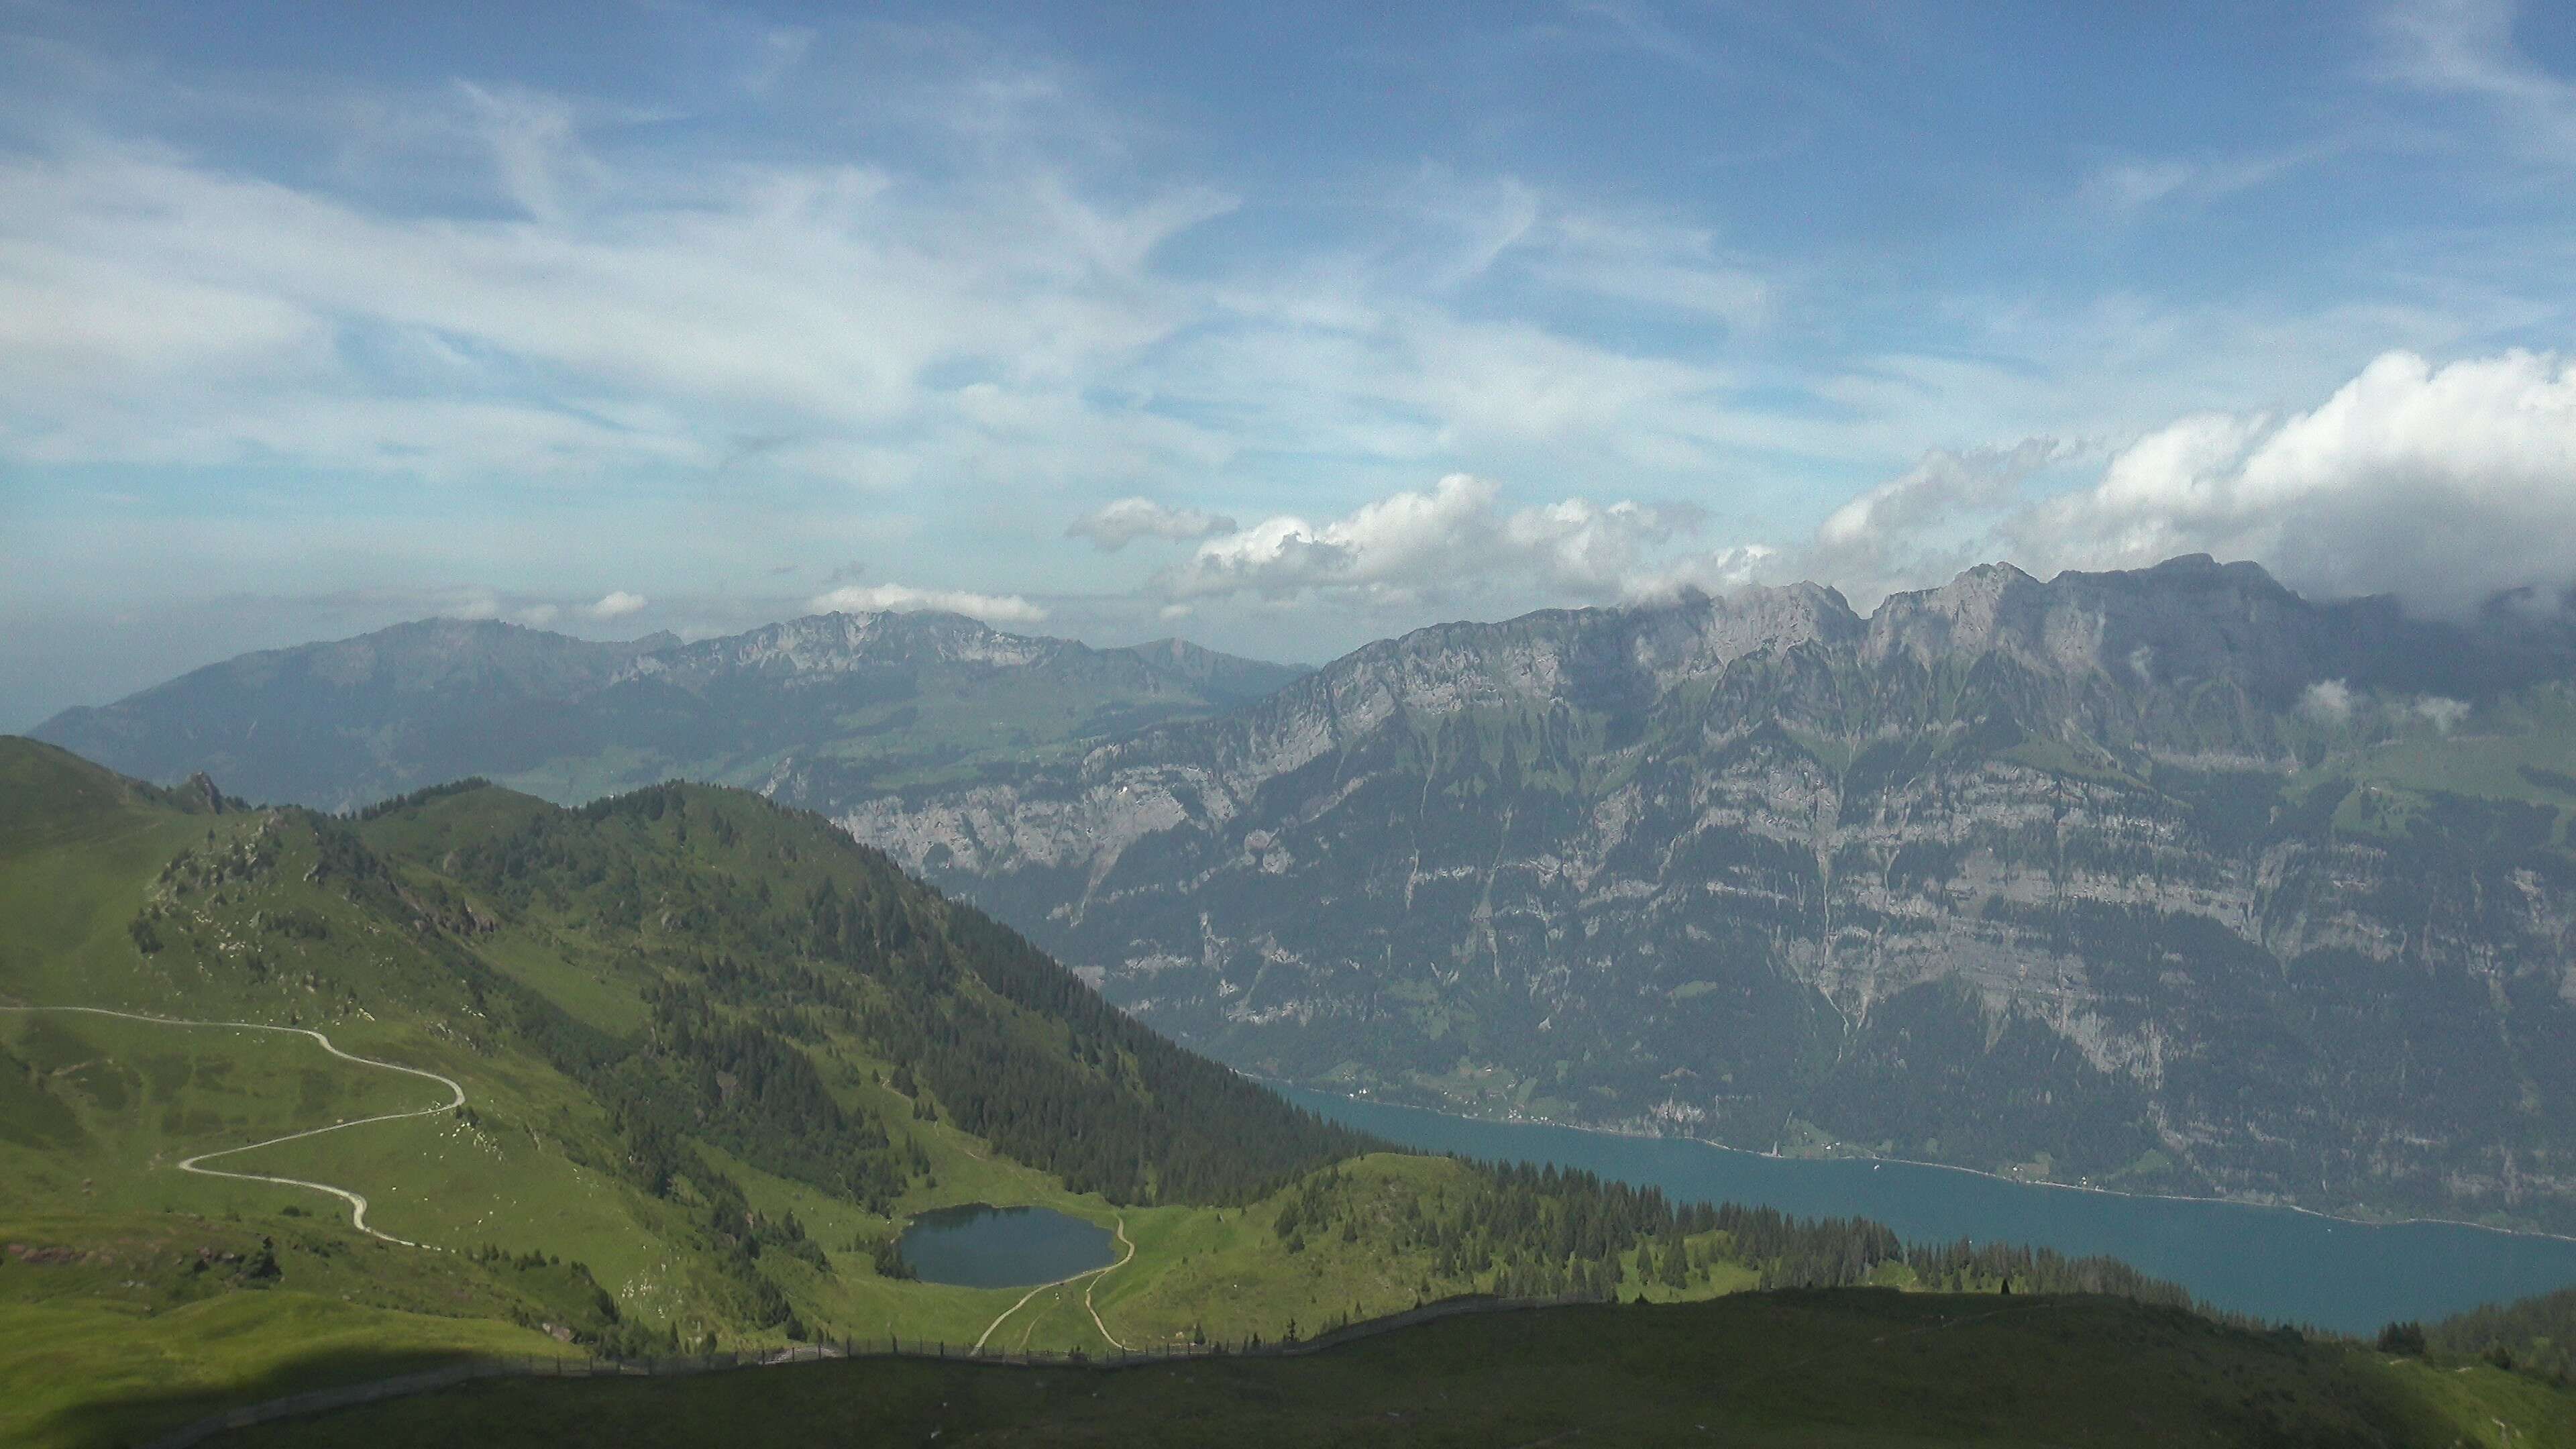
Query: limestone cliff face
<point x="2169" y="879"/>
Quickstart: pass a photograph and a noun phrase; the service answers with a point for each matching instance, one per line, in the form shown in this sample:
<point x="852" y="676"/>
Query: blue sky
<point x="1281" y="328"/>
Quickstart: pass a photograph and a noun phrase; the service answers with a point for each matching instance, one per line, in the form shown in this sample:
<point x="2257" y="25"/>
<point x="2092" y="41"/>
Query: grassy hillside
<point x="714" y="1057"/>
<point x="1847" y="1368"/>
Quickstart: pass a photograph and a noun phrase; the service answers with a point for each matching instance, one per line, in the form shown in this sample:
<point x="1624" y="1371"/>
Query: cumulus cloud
<point x="1455" y="538"/>
<point x="1717" y="571"/>
<point x="2443" y="714"/>
<point x="2444" y="485"/>
<point x="1121" y="523"/>
<point x="2328" y="701"/>
<point x="617" y="604"/>
<point x="2447" y="486"/>
<point x="874" y="598"/>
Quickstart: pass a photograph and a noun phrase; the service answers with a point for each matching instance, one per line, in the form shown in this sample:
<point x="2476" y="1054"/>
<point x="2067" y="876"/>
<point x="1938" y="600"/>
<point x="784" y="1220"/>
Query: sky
<point x="1279" y="328"/>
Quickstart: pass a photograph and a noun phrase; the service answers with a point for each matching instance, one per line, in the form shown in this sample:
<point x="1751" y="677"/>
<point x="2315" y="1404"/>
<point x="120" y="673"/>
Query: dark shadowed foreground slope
<point x="1850" y="1368"/>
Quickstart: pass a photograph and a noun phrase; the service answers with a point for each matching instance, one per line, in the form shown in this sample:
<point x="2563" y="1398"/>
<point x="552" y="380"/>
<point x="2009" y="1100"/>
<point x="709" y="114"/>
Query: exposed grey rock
<point x="2008" y="868"/>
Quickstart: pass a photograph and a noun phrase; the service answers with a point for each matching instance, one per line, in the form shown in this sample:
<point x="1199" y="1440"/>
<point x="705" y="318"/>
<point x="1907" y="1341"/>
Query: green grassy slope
<point x="715" y="1055"/>
<point x="630" y="995"/>
<point x="1845" y="1368"/>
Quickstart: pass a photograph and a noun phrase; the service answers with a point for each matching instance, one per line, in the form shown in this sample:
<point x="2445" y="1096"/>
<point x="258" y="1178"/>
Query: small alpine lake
<point x="2274" y="1263"/>
<point x="982" y="1246"/>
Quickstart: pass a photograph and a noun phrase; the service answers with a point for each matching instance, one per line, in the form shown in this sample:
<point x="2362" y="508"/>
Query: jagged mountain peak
<point x="2188" y="618"/>
<point x="2085" y="867"/>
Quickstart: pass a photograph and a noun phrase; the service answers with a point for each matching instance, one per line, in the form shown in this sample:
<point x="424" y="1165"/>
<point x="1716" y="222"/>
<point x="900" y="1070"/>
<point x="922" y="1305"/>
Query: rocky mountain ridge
<point x="2167" y="879"/>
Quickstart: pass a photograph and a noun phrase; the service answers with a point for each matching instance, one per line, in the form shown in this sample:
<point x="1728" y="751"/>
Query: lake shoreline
<point x="2536" y="1234"/>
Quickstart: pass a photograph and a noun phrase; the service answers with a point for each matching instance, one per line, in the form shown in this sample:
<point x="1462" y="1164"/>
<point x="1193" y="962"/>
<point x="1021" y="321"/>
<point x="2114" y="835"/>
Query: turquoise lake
<point x="977" y="1246"/>
<point x="2271" y="1262"/>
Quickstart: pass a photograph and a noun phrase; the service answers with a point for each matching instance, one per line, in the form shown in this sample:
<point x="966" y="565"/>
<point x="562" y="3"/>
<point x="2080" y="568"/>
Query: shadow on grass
<point x="138" y="1419"/>
<point x="1795" y="1367"/>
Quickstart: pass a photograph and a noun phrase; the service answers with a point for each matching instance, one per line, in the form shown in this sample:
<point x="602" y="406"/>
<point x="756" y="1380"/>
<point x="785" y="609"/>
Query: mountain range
<point x="2166" y="880"/>
<point x="869" y="697"/>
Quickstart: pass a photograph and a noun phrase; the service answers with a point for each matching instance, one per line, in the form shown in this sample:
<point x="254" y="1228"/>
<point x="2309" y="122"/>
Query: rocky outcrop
<point x="2167" y="879"/>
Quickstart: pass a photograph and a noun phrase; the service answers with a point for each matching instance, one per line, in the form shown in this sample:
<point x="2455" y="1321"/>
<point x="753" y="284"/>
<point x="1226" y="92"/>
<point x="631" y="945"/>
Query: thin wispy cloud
<point x="1708" y="305"/>
<point x="1118" y="524"/>
<point x="2467" y="48"/>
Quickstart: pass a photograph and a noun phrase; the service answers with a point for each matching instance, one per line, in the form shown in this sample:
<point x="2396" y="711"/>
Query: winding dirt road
<point x="1095" y="1274"/>
<point x="357" y="1201"/>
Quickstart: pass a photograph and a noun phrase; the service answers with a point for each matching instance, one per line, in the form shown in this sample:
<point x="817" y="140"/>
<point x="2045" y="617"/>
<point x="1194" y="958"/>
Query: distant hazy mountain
<point x="355" y="720"/>
<point x="849" y="701"/>
<point x="2170" y="879"/>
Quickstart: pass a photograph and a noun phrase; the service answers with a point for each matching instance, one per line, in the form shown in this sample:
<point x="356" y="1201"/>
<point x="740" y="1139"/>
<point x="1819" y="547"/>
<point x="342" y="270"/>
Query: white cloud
<point x="1454" y="539"/>
<point x="617" y="604"/>
<point x="2126" y="188"/>
<point x="874" y="598"/>
<point x="2446" y="486"/>
<point x="2466" y="47"/>
<point x="2328" y="701"/>
<point x="2442" y="485"/>
<point x="2443" y="714"/>
<point x="1675" y="268"/>
<point x="156" y="310"/>
<point x="1900" y="532"/>
<point x="1121" y="523"/>
<point x="1715" y="572"/>
<point x="538" y="616"/>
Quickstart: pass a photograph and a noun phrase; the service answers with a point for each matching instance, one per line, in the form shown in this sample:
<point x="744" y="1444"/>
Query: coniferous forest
<point x="832" y="944"/>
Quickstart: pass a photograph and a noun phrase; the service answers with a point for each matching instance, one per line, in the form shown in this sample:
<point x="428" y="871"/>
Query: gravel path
<point x="357" y="1201"/>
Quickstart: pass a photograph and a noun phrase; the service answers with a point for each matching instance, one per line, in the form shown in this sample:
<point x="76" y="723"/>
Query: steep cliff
<point x="2166" y="880"/>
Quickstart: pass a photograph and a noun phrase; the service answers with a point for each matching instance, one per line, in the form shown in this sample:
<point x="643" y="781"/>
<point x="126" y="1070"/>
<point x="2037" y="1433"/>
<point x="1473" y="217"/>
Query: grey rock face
<point x="2169" y="880"/>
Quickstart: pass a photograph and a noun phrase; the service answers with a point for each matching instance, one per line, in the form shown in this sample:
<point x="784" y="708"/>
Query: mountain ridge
<point x="353" y="720"/>
<point x="2117" y="877"/>
<point x="2125" y="878"/>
